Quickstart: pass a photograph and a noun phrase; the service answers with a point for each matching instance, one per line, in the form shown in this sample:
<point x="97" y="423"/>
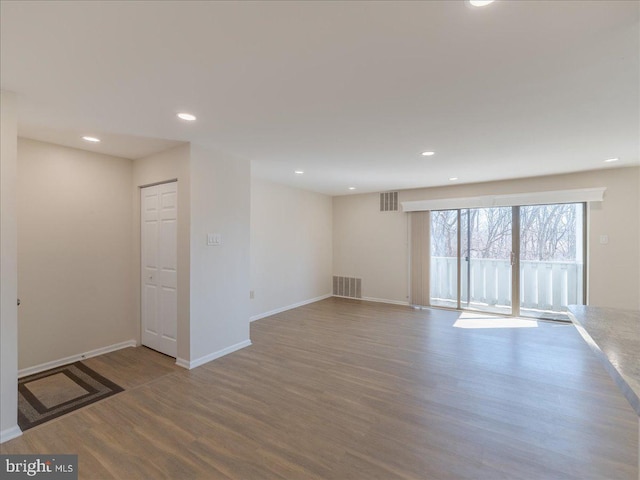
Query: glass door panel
<point x="486" y="250"/>
<point x="444" y="259"/>
<point x="551" y="259"/>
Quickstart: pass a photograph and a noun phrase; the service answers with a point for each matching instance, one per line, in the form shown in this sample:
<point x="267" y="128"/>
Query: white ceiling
<point x="349" y="92"/>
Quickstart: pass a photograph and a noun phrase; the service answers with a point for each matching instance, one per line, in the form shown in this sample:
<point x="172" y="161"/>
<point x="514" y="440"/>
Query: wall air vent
<point x="389" y="202"/>
<point x="347" y="287"/>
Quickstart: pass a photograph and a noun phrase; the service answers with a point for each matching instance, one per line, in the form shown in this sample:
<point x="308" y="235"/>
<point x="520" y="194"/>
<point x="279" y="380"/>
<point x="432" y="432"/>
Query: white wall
<point x="613" y="279"/>
<point x="8" y="269"/>
<point x="213" y="282"/>
<point x="373" y="245"/>
<point x="291" y="247"/>
<point x="172" y="164"/>
<point x="220" y="203"/>
<point x="74" y="252"/>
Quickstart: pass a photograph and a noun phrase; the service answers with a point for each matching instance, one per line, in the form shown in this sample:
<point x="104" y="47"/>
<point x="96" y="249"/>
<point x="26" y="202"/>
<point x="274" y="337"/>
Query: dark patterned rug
<point x="48" y="395"/>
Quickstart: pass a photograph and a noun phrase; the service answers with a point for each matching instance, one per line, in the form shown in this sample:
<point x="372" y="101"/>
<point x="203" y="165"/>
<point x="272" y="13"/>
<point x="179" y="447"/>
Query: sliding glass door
<point x="486" y="259"/>
<point x="471" y="259"/>
<point x="551" y="259"/>
<point x="521" y="260"/>
<point x="444" y="259"/>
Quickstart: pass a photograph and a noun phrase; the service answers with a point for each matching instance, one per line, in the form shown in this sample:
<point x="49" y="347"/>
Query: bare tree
<point x="547" y="232"/>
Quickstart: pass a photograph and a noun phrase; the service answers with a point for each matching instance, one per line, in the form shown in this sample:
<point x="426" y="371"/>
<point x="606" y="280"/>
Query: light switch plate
<point x="214" y="239"/>
<point x="604" y="239"/>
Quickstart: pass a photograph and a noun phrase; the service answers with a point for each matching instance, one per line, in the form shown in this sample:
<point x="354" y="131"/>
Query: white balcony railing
<point x="547" y="286"/>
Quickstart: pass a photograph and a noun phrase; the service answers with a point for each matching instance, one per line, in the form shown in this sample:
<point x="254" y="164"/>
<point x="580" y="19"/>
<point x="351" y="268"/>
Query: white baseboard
<point x="74" y="358"/>
<point x="181" y="362"/>
<point x="384" y="300"/>
<point x="377" y="300"/>
<point x="10" y="433"/>
<point x="289" y="307"/>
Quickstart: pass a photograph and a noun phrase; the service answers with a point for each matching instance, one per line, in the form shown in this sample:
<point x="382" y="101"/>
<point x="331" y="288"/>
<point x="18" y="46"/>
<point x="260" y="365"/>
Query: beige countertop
<point x="614" y="335"/>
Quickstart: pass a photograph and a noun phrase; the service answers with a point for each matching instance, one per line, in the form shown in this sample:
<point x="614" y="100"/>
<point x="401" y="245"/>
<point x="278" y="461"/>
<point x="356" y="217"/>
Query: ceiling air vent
<point x="389" y="202"/>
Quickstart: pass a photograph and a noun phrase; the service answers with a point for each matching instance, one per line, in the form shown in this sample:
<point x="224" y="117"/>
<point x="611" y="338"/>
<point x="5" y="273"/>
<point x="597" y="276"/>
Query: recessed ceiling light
<point x="611" y="160"/>
<point x="428" y="154"/>
<point x="480" y="3"/>
<point x="453" y="179"/>
<point x="299" y="172"/>
<point x="91" y="139"/>
<point x="186" y="116"/>
<point x="352" y="188"/>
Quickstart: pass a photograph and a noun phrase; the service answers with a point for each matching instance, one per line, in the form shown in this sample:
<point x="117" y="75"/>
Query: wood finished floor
<point x="344" y="389"/>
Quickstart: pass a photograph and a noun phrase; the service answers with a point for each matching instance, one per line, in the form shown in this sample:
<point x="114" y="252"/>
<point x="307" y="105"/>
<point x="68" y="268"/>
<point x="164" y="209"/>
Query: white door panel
<point x="149" y="306"/>
<point x="169" y="304"/>
<point x="159" y="273"/>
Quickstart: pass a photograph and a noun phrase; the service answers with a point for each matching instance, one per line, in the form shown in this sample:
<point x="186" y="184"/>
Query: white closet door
<point x="159" y="273"/>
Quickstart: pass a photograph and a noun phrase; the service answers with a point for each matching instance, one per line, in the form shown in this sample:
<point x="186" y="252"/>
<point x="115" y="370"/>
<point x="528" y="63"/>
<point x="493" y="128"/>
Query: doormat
<point x="48" y="395"/>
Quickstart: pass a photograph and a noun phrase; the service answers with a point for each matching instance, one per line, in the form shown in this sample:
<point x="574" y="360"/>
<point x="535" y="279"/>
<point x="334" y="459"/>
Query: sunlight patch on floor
<point x="474" y="320"/>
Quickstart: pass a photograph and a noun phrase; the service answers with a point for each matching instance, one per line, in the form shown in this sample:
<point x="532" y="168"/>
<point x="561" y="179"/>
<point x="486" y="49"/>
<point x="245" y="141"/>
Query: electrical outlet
<point x="251" y="294"/>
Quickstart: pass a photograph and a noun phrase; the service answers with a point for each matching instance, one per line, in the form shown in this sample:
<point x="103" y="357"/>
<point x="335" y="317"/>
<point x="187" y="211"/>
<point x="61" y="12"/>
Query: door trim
<point x="163" y="182"/>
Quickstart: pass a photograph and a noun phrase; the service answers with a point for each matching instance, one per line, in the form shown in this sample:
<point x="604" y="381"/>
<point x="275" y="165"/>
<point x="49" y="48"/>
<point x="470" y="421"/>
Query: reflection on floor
<point x="478" y="320"/>
<point x="535" y="314"/>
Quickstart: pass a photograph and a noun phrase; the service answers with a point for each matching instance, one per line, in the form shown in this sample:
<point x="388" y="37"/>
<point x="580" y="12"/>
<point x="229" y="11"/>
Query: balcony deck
<point x="546" y="288"/>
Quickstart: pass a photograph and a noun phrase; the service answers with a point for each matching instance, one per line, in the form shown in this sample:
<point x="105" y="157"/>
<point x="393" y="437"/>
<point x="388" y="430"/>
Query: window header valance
<point x="531" y="198"/>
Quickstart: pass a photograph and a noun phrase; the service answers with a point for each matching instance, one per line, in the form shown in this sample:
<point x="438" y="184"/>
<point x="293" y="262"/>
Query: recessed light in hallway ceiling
<point x="480" y="3"/>
<point x="90" y="139"/>
<point x="186" y="116"/>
